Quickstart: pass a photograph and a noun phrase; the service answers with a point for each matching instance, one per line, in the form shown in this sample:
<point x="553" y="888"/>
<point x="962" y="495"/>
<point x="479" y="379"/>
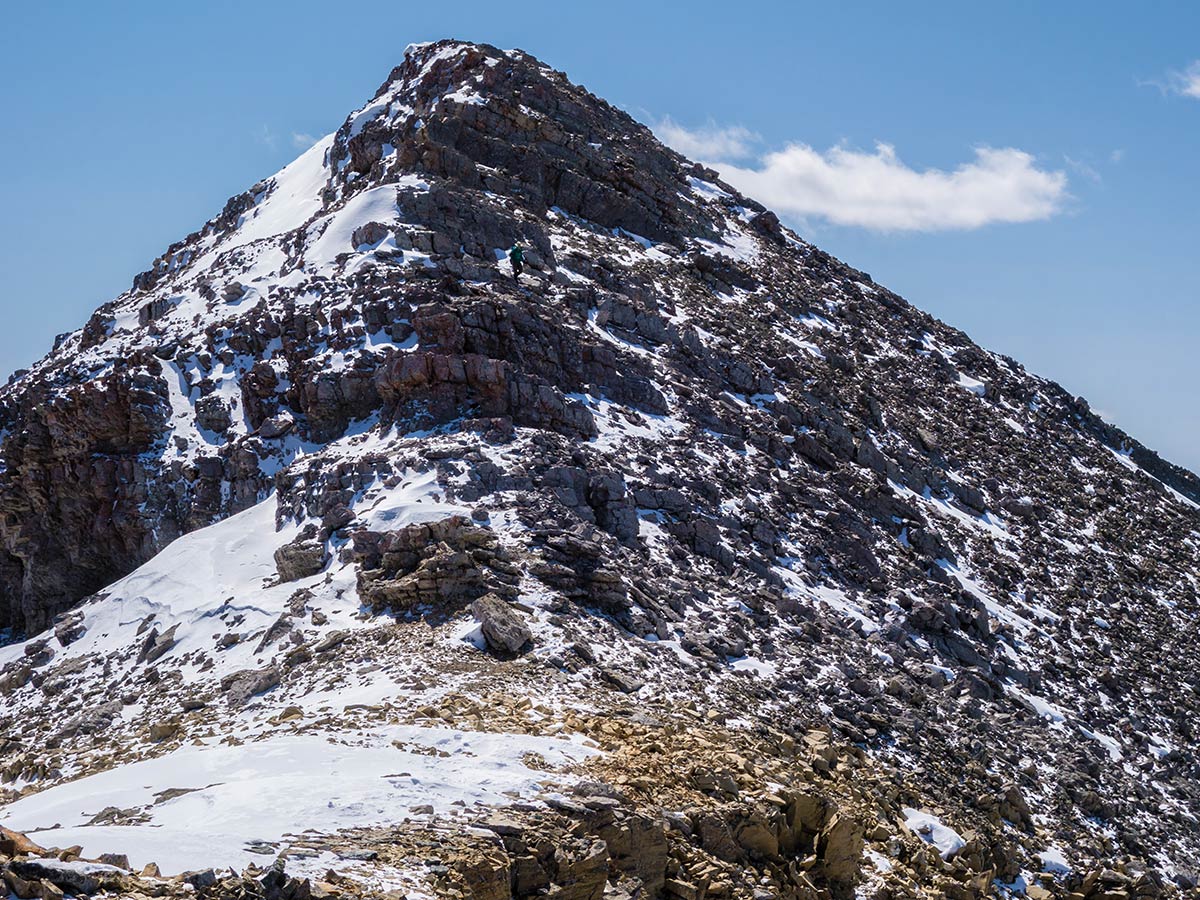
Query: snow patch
<point x="932" y="830"/>
<point x="239" y="797"/>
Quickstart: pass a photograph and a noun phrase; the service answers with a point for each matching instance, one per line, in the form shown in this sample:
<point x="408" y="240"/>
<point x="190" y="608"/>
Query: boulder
<point x="240" y="686"/>
<point x="13" y="843"/>
<point x="76" y="877"/>
<point x="161" y="731"/>
<point x="276" y="426"/>
<point x="213" y="414"/>
<point x="841" y="852"/>
<point x="301" y="558"/>
<point x="503" y="626"/>
<point x="369" y="234"/>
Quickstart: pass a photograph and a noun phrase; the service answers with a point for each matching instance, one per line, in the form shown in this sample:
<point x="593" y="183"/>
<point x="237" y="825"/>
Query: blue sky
<point x="1036" y="186"/>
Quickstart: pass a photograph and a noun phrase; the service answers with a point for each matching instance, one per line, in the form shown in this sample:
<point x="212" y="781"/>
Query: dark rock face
<point x="695" y="426"/>
<point x="74" y="481"/>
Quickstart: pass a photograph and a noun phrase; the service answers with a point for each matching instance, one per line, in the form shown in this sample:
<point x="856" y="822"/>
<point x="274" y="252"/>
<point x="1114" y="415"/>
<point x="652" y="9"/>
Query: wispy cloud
<point x="1087" y="170"/>
<point x="302" y="141"/>
<point x="265" y="136"/>
<point x="1185" y="83"/>
<point x="1180" y="82"/>
<point x="1094" y="166"/>
<point x="709" y="141"/>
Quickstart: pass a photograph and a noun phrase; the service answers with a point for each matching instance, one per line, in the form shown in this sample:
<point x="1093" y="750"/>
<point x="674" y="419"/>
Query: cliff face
<point x="682" y="422"/>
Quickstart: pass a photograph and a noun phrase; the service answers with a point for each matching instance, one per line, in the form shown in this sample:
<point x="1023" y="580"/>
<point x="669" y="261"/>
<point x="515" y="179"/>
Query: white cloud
<point x="879" y="191"/>
<point x="302" y="141"/>
<point x="1187" y="82"/>
<point x="709" y="142"/>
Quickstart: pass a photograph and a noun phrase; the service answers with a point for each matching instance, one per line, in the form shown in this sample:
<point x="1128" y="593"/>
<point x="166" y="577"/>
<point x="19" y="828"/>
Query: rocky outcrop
<point x="444" y="563"/>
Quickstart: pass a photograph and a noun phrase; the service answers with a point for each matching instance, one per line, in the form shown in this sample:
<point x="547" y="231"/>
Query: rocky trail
<point x="335" y="562"/>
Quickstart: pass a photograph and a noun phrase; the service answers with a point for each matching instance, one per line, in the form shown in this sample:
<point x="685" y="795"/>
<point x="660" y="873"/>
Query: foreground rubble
<point x="678" y="807"/>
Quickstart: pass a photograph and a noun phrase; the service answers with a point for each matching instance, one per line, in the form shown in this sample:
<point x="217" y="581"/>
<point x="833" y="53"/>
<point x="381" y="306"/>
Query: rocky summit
<point x="692" y="563"/>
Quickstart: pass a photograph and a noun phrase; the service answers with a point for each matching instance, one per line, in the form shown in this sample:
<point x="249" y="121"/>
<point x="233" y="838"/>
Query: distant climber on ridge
<point x="516" y="256"/>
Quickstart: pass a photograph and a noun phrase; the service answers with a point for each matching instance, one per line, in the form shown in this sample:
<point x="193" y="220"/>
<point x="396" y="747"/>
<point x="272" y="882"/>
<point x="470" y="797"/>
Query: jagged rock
<point x="157" y="645"/>
<point x="20" y="887"/>
<point x="13" y="843"/>
<point x="807" y="813"/>
<point x="70" y="629"/>
<point x="841" y="853"/>
<point x="757" y="837"/>
<point x="204" y="878"/>
<point x="580" y="870"/>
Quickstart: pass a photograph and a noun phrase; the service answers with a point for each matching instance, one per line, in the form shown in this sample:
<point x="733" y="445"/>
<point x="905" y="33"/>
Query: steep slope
<point x="807" y="566"/>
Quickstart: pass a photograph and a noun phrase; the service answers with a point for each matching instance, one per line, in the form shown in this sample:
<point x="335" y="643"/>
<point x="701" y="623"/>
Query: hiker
<point x="516" y="256"/>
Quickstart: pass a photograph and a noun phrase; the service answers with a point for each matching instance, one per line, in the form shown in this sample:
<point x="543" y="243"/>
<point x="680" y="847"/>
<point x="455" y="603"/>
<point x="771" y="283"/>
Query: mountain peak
<point x="871" y="605"/>
<point x="506" y="123"/>
<point x="467" y="124"/>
